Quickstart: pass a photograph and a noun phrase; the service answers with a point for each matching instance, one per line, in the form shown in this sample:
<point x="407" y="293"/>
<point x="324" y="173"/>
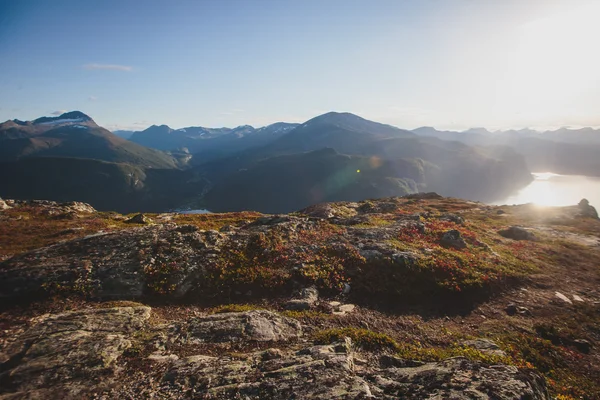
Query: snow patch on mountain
<point x="61" y="121"/>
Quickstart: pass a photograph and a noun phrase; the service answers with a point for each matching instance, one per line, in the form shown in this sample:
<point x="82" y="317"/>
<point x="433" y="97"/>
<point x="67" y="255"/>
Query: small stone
<point x="457" y="219"/>
<point x="582" y="345"/>
<point x="516" y="233"/>
<point x="563" y="297"/>
<point x="347" y="308"/>
<point x="511" y="309"/>
<point x="523" y="311"/>
<point x="271" y="354"/>
<point x="3" y="205"/>
<point x="453" y="239"/>
<point x="308" y="298"/>
<point x="346" y="288"/>
<point x="578" y="298"/>
<point x="138" y="219"/>
<point x="163" y="357"/>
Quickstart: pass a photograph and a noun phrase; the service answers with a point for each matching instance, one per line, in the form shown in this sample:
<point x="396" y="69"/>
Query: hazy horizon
<point x="451" y="65"/>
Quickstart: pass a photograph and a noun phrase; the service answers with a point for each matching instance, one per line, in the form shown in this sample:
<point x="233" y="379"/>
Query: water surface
<point x="549" y="189"/>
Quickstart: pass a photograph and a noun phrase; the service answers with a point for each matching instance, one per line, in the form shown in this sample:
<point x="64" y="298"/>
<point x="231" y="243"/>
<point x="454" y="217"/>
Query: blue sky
<point x="447" y="63"/>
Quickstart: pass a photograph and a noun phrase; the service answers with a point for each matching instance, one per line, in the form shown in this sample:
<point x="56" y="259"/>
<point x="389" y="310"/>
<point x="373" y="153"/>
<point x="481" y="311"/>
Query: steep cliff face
<point x="404" y="297"/>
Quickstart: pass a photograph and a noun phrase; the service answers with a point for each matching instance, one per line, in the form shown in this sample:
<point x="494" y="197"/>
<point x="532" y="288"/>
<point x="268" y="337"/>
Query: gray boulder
<point x="139" y="219"/>
<point x="453" y="239"/>
<point x="308" y="299"/>
<point x="516" y="233"/>
<point x="586" y="210"/>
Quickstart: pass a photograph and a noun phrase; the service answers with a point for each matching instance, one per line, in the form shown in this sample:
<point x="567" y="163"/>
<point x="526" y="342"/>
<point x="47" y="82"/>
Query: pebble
<point x="563" y="297"/>
<point x="578" y="298"/>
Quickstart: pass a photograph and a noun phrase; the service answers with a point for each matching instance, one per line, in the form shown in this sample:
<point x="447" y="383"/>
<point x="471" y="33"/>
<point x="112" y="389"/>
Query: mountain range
<point x="563" y="151"/>
<point x="277" y="168"/>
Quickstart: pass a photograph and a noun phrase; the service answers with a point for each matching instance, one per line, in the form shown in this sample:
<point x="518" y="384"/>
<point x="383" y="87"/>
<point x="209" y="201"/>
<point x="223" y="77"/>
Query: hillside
<point x="346" y="133"/>
<point x="74" y="135"/>
<point x="286" y="175"/>
<point x="108" y="186"/>
<point x="287" y="183"/>
<point x="406" y="297"/>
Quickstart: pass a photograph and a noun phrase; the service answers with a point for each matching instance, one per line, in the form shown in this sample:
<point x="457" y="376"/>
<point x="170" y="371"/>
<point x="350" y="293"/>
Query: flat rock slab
<point x="457" y="379"/>
<point x="66" y="352"/>
<point x="257" y="325"/>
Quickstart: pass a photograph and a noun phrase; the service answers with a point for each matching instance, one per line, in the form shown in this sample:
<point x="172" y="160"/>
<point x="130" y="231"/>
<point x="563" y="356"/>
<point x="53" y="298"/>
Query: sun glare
<point x="556" y="62"/>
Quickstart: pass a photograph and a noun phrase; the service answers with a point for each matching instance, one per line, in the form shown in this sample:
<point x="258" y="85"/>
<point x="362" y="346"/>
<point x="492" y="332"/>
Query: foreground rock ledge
<point x="81" y="354"/>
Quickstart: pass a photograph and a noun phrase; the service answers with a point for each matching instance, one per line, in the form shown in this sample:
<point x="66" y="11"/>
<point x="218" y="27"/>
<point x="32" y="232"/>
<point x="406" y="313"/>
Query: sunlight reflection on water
<point x="549" y="189"/>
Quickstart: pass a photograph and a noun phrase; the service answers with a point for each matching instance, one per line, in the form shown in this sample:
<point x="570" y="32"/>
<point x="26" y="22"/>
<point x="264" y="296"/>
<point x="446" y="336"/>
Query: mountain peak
<point x="333" y="116"/>
<point x="477" y="130"/>
<point x="71" y="116"/>
<point x="158" y="129"/>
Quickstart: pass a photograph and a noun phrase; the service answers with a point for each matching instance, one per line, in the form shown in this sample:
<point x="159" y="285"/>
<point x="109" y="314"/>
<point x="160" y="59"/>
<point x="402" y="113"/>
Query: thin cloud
<point x="111" y="67"/>
<point x="92" y="98"/>
<point x="232" y="112"/>
<point x="59" y="112"/>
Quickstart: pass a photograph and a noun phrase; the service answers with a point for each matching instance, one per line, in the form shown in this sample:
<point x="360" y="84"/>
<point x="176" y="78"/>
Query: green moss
<point x="119" y="303"/>
<point x="226" y="308"/>
<point x="415" y="351"/>
<point x="375" y="222"/>
<point x="374" y="341"/>
<point x="306" y="314"/>
<point x="217" y="221"/>
<point x="555" y="362"/>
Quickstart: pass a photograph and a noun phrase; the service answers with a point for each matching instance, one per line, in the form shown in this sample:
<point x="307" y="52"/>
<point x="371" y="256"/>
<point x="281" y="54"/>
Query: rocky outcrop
<point x="67" y="353"/>
<point x="174" y="260"/>
<point x="54" y="208"/>
<point x="82" y="354"/>
<point x="586" y="210"/>
<point x="457" y="378"/>
<point x="385" y="256"/>
<point x="125" y="265"/>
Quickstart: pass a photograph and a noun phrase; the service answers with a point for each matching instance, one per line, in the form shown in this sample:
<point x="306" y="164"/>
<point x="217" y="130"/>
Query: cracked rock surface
<point x="84" y="354"/>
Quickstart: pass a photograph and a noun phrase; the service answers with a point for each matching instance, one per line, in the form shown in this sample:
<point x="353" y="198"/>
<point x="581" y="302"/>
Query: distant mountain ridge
<point x="564" y="134"/>
<point x="246" y="180"/>
<point x="563" y="151"/>
<point x="278" y="168"/>
<point x="198" y="139"/>
<point x="74" y="135"/>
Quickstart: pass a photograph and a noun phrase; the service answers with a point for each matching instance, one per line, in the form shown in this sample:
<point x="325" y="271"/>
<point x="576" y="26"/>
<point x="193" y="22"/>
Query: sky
<point x="452" y="64"/>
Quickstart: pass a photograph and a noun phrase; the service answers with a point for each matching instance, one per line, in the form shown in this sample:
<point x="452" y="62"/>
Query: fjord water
<point x="549" y="189"/>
